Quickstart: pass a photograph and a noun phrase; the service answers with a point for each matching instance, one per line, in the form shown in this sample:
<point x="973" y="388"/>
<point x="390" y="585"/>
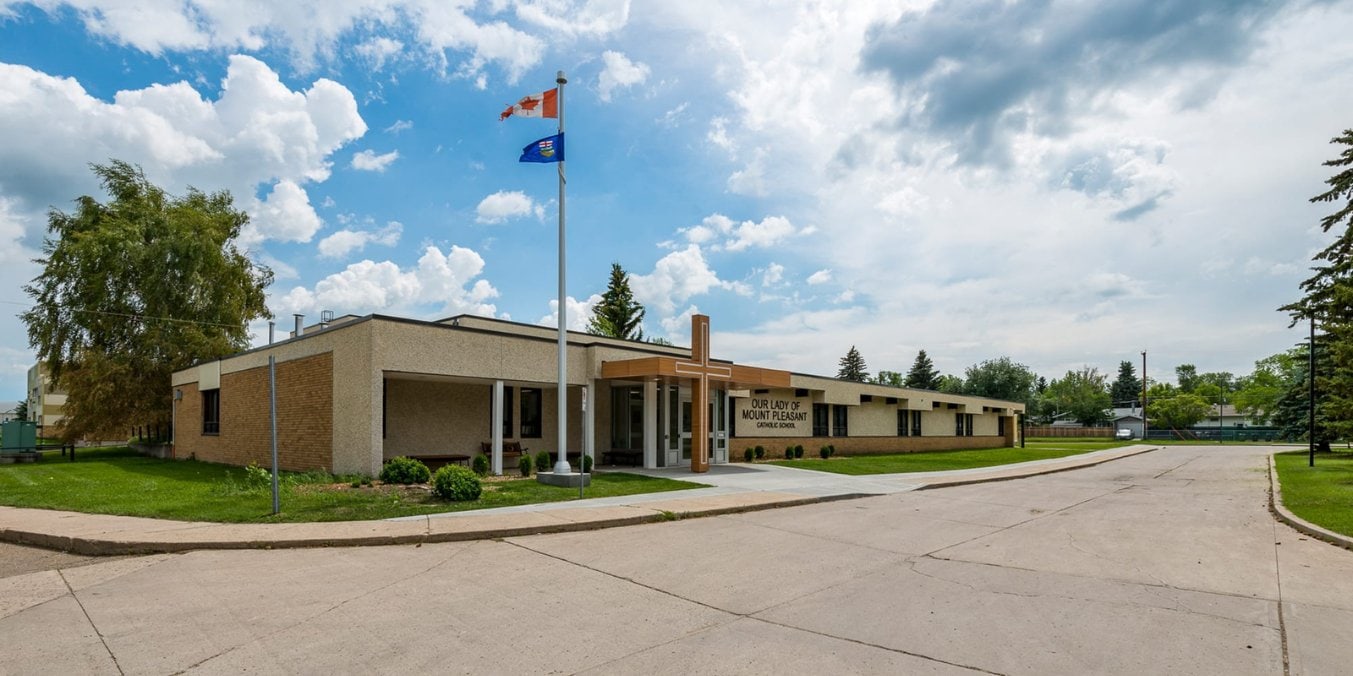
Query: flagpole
<point x="562" y="467"/>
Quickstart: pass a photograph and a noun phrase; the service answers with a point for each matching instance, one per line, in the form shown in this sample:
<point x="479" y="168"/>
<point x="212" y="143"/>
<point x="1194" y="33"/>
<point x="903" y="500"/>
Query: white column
<point x="496" y="462"/>
<point x="651" y="423"/>
<point x="589" y="421"/>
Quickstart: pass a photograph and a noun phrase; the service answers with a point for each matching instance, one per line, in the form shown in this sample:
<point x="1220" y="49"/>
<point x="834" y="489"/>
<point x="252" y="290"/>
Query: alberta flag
<point x="548" y="149"/>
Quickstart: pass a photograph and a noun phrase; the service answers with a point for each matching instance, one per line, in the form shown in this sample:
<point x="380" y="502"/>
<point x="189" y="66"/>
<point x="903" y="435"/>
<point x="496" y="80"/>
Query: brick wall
<point x="775" y="446"/>
<point x="304" y="417"/>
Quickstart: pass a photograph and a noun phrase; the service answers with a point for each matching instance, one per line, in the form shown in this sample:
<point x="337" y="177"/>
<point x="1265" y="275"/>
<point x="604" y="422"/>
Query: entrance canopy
<point x="738" y="376"/>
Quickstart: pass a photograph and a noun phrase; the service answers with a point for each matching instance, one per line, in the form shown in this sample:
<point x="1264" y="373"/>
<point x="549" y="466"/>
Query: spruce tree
<point x="1329" y="296"/>
<point x="853" y="367"/>
<point x="1128" y="386"/>
<point x="618" y="315"/>
<point x="923" y="374"/>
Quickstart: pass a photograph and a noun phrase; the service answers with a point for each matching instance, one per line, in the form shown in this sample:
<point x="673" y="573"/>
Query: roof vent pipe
<point x="300" y="325"/>
<point x="272" y="329"/>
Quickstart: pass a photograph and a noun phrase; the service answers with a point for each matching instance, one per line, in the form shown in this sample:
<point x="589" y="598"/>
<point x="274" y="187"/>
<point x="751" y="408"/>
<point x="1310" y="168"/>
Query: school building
<point x="357" y="391"/>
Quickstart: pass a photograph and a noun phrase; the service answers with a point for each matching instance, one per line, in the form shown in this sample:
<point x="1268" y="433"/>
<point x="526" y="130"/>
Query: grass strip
<point x="937" y="461"/>
<point x="120" y="481"/>
<point x="1322" y="494"/>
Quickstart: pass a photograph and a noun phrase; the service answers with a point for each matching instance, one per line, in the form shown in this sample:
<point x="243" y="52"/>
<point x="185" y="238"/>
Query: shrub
<point x="831" y="450"/>
<point x="587" y="464"/>
<point x="789" y="452"/>
<point x="524" y="463"/>
<point x="256" y="477"/>
<point x="454" y="482"/>
<point x="480" y="465"/>
<point x="760" y="452"/>
<point x="747" y="454"/>
<point x="543" y="462"/>
<point x="402" y="470"/>
<point x="798" y="451"/>
<point x="824" y="452"/>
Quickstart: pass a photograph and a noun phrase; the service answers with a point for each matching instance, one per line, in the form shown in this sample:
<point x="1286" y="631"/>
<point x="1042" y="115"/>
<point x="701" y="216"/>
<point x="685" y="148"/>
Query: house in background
<point x="9" y="410"/>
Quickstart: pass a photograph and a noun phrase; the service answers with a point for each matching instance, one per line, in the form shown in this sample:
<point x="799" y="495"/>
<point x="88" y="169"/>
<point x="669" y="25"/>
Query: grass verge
<point x="119" y="481"/>
<point x="935" y="461"/>
<point x="1322" y="494"/>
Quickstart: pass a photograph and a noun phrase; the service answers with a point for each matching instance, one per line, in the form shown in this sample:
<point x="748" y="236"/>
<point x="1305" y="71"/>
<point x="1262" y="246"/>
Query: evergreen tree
<point x="853" y="367"/>
<point x="1291" y="413"/>
<point x="1329" y="295"/>
<point x="1128" y="386"/>
<point x="923" y="375"/>
<point x="618" y="315"/>
<point x="21" y="411"/>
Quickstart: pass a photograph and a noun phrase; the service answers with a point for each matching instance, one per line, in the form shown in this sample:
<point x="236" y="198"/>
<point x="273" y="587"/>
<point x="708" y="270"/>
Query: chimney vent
<point x="300" y="325"/>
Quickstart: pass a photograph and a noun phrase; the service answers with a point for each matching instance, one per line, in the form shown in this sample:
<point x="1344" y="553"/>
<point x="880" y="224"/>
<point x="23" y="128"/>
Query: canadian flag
<point x="544" y="104"/>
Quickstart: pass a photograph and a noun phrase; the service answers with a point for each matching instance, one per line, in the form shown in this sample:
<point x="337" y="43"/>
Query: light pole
<point x="1145" y="425"/>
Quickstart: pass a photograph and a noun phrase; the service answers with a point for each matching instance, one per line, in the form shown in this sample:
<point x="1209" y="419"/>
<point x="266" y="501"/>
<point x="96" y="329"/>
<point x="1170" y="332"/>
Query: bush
<point x="543" y="462"/>
<point x="480" y="465"/>
<point x="831" y="450"/>
<point x="747" y="454"/>
<point x="824" y="452"/>
<point x="587" y="464"/>
<point x="798" y="451"/>
<point x="454" y="482"/>
<point x="524" y="463"/>
<point x="257" y="478"/>
<point x="789" y="452"/>
<point x="402" y="470"/>
<point x="760" y="452"/>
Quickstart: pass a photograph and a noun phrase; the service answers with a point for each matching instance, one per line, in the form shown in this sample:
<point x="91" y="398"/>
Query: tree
<point x="950" y="384"/>
<point x="1291" y="412"/>
<point x="1184" y="409"/>
<point x="1083" y="394"/>
<point x="658" y="340"/>
<point x="923" y="375"/>
<point x="1328" y="298"/>
<point x="21" y="411"/>
<point x="1257" y="394"/>
<point x="889" y="378"/>
<point x="1128" y="387"/>
<point x="853" y="367"/>
<point x="1187" y="377"/>
<point x="1000" y="378"/>
<point x="618" y="315"/>
<point x="135" y="289"/>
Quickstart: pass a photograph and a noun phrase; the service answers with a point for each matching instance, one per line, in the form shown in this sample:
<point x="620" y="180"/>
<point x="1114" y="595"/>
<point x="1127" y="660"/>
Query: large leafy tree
<point x="852" y="367"/>
<point x="1083" y="394"/>
<point x="1128" y="387"/>
<point x="923" y="374"/>
<point x="1257" y="394"/>
<point x="618" y="315"/>
<point x="1328" y="295"/>
<point x="135" y="288"/>
<point x="1000" y="378"/>
<point x="1187" y="377"/>
<point x="890" y="378"/>
<point x="1182" y="410"/>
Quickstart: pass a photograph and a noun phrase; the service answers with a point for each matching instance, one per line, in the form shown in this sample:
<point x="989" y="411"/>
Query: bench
<point x="435" y="462"/>
<point x="511" y="450"/>
<point x="631" y="457"/>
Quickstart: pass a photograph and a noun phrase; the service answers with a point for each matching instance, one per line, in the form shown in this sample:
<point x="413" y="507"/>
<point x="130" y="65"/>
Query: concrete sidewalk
<point x="733" y="488"/>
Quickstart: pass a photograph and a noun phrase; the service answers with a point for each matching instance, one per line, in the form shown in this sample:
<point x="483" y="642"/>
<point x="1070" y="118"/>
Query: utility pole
<point x="1145" y="425"/>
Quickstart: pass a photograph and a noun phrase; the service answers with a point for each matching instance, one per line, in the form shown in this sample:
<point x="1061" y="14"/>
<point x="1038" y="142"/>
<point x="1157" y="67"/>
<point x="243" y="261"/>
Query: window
<point x="507" y="411"/>
<point x="530" y="413"/>
<point x="1000" y="426"/>
<point x="968" y="418"/>
<point x="211" y="412"/>
<point x="840" y="421"/>
<point x="903" y="422"/>
<point x="958" y="424"/>
<point x="915" y="423"/>
<point x="820" y="417"/>
<point x="963" y="424"/>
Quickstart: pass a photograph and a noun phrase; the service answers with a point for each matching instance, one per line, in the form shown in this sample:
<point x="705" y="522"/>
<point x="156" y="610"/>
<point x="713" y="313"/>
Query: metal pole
<point x="272" y="413"/>
<point x="561" y="466"/>
<point x="1310" y="430"/>
<point x="1145" y="425"/>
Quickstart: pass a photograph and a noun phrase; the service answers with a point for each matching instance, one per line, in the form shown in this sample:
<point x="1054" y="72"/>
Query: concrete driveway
<point x="1166" y="562"/>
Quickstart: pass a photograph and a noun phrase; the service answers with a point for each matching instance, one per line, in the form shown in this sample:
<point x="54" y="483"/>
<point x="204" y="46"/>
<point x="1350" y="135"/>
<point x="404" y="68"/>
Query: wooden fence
<point x="1067" y="432"/>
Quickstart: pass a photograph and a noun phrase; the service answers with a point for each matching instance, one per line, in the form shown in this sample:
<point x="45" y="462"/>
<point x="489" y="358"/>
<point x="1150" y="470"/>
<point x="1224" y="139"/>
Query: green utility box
<point x="18" y="435"/>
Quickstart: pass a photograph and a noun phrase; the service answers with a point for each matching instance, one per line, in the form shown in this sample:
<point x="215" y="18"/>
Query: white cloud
<point x="441" y="280"/>
<point x="505" y="204"/>
<point x="773" y="274"/>
<point x="398" y="126"/>
<point x="344" y="242"/>
<point x="734" y="236"/>
<point x="619" y="72"/>
<point x="380" y="50"/>
<point x="286" y="215"/>
<point x="368" y="160"/>
<point x="820" y="277"/>
<point x="675" y="279"/>
<point x="579" y="312"/>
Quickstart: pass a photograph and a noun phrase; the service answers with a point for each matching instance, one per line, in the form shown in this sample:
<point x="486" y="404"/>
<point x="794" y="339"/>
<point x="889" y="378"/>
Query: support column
<point x="699" y="425"/>
<point x="589" y="422"/>
<point x="496" y="462"/>
<point x="650" y="423"/>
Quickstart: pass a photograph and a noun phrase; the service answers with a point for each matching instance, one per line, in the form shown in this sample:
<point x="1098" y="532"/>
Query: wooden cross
<point x="700" y="372"/>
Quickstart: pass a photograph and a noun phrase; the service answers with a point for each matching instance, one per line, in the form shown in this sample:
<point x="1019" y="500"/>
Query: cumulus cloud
<point x="619" y="72"/>
<point x="379" y="50"/>
<point x="773" y="274"/>
<point x="723" y="233"/>
<point x="675" y="279"/>
<point x="820" y="277"/>
<point x="344" y="242"/>
<point x="368" y="160"/>
<point x="442" y="280"/>
<point x="579" y="312"/>
<point x="286" y="215"/>
<point x="506" y="204"/>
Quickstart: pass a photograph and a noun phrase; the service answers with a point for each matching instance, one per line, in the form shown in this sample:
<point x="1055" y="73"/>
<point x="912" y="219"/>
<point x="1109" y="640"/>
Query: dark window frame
<point x="211" y="412"/>
<point x="840" y="420"/>
<point x="958" y="424"/>
<point x="903" y="422"/>
<point x="821" y="420"/>
<point x="536" y="411"/>
<point x="915" y="423"/>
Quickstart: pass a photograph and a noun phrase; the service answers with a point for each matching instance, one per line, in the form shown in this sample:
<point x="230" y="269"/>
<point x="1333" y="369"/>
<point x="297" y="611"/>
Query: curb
<point x="1281" y="513"/>
<point x="94" y="546"/>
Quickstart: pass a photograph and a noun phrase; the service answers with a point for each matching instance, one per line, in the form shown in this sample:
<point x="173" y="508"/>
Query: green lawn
<point x="1322" y="494"/>
<point x="119" y="481"/>
<point x="948" y="460"/>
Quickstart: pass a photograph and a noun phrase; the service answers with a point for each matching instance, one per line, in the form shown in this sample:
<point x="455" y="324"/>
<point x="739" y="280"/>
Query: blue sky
<point x="1058" y="182"/>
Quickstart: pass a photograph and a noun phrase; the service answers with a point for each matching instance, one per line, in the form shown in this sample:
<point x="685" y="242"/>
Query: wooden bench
<point x="511" y="450"/>
<point x="435" y="462"/>
<point x="631" y="457"/>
